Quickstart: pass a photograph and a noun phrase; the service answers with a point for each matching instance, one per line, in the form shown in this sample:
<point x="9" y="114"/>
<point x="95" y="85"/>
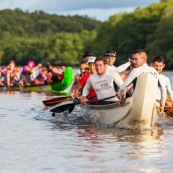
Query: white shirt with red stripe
<point x="166" y="82"/>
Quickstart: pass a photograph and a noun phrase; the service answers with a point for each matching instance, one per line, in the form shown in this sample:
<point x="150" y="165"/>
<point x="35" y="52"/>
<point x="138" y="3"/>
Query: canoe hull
<point x="141" y="110"/>
<point x="108" y="114"/>
<point x="144" y="110"/>
<point x="34" y="88"/>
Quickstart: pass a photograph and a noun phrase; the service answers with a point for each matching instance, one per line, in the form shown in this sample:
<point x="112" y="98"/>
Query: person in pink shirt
<point x="28" y="73"/>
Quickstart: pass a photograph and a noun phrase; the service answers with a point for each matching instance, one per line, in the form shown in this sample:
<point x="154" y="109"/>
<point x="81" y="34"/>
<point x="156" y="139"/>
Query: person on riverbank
<point x="140" y="66"/>
<point x="102" y="82"/>
<point x="28" y="73"/>
<point x="159" y="64"/>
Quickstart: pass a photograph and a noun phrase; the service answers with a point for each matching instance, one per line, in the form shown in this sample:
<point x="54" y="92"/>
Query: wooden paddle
<point x="70" y="106"/>
<point x="57" y="100"/>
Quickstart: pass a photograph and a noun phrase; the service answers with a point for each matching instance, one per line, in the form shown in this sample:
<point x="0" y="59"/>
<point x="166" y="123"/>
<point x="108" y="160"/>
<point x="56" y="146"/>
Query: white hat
<point x="91" y="59"/>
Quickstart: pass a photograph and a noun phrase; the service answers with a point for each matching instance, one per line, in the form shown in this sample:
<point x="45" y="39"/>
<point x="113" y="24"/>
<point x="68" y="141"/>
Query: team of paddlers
<point x="26" y="76"/>
<point x="98" y="78"/>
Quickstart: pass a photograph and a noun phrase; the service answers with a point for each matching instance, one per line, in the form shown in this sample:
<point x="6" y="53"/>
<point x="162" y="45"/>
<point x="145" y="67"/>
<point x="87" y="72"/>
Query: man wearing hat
<point x="88" y="54"/>
<point x="110" y="60"/>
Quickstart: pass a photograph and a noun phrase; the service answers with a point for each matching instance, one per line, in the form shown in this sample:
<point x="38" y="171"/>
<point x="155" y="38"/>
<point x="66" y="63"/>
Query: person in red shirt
<point x="74" y="86"/>
<point x="83" y="80"/>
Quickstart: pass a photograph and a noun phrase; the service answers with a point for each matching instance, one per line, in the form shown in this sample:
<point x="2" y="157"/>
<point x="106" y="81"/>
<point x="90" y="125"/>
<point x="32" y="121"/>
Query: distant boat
<point x="56" y="86"/>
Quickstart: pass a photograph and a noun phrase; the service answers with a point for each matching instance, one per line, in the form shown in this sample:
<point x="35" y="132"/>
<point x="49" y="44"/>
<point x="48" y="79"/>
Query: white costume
<point x="103" y="85"/>
<point x="166" y="83"/>
<point x="135" y="73"/>
<point x="118" y="69"/>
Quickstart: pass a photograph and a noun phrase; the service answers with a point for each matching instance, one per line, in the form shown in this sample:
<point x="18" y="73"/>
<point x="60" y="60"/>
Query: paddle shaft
<point x="54" y="102"/>
<point x="70" y="106"/>
<point x="54" y="99"/>
<point x="58" y="100"/>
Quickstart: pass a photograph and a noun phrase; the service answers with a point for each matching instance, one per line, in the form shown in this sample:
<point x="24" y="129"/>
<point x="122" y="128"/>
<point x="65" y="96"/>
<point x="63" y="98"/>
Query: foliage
<point x="63" y="40"/>
<point x="149" y="28"/>
<point x="44" y="38"/>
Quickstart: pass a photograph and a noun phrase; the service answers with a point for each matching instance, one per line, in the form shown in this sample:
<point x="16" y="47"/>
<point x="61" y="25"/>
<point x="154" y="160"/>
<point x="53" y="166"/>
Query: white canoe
<point x="140" y="111"/>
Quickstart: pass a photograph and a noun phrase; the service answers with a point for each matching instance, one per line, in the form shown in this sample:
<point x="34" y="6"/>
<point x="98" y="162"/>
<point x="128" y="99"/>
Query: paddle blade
<point x="52" y="103"/>
<point x="63" y="108"/>
<point x="71" y="109"/>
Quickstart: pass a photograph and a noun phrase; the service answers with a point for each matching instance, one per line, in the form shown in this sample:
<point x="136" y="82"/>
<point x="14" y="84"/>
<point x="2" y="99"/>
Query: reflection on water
<point x="32" y="141"/>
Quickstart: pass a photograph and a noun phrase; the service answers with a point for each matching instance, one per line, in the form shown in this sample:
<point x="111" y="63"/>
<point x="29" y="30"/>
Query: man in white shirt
<point x="159" y="64"/>
<point x="110" y="60"/>
<point x="140" y="66"/>
<point x="102" y="82"/>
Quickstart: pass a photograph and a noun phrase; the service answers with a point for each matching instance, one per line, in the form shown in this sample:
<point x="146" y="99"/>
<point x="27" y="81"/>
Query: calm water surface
<point x="31" y="141"/>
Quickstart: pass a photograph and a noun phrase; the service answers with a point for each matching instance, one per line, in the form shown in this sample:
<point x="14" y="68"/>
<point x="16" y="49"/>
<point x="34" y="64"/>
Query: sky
<point x="96" y="9"/>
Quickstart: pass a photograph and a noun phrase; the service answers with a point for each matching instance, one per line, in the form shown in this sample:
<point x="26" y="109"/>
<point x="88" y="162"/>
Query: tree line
<point x="63" y="39"/>
<point x="43" y="37"/>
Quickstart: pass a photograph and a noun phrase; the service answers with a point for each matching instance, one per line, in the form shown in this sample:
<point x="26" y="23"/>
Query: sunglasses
<point x="110" y="54"/>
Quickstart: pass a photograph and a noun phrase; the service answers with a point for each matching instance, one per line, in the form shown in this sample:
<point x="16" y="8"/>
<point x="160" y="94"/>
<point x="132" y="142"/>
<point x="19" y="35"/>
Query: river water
<point x="31" y="141"/>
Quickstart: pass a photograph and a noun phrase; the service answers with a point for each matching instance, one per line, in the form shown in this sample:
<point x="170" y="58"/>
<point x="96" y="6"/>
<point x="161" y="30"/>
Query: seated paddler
<point x="159" y="64"/>
<point x="82" y="71"/>
<point x="140" y="66"/>
<point x="82" y="82"/>
<point x="103" y="83"/>
<point x="56" y="74"/>
<point x="28" y="73"/>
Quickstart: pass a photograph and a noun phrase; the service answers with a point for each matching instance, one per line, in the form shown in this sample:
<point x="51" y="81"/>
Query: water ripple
<point x="34" y="141"/>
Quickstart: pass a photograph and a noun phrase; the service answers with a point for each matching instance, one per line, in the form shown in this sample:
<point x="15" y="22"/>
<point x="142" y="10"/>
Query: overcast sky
<point x="98" y="9"/>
